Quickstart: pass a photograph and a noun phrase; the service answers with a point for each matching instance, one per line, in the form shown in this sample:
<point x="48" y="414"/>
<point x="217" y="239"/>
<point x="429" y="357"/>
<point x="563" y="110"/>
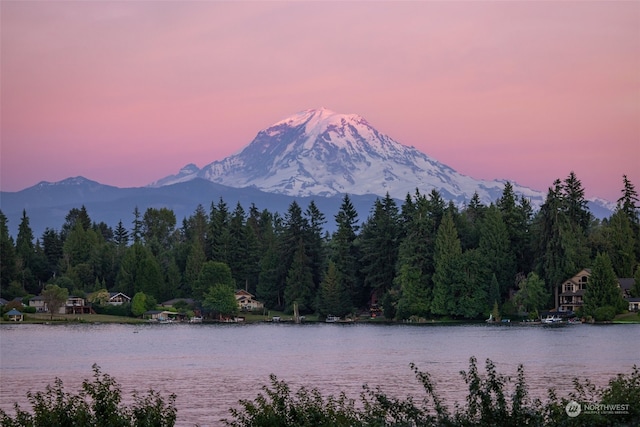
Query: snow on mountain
<point x="323" y="153"/>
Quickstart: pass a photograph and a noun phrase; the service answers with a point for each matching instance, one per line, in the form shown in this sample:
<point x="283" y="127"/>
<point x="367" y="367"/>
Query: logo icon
<point x="573" y="409"/>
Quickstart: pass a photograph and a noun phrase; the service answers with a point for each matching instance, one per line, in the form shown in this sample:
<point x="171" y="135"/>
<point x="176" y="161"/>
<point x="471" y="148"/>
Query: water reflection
<point x="211" y="367"/>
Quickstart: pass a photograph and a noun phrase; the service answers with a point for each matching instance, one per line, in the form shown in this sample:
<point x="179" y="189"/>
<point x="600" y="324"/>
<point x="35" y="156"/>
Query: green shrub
<point x="97" y="405"/>
<point x="492" y="401"/>
<point x="605" y="314"/>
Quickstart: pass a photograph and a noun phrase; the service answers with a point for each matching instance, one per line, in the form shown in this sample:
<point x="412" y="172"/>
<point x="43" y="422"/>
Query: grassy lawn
<point x="78" y="318"/>
<point x="627" y="318"/>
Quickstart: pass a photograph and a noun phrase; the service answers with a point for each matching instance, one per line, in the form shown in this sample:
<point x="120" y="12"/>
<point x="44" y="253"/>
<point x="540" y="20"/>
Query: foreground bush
<point x="97" y="405"/>
<point x="492" y="401"/>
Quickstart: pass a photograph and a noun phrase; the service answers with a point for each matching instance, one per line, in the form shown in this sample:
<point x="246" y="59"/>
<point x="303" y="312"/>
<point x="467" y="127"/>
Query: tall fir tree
<point x="299" y="283"/>
<point x="496" y="251"/>
<point x="25" y="252"/>
<point x="448" y="276"/>
<point x="415" y="262"/>
<point x="622" y="244"/>
<point x="379" y="248"/>
<point x="8" y="258"/>
<point x="344" y="252"/>
<point x="628" y="203"/>
<point x="315" y="244"/>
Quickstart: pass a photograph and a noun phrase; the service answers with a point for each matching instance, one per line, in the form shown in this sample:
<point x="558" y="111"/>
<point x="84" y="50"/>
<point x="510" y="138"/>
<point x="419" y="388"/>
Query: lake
<point x="210" y="367"/>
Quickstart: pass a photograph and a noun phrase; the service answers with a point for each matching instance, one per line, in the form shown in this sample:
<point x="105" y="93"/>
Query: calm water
<point x="211" y="367"/>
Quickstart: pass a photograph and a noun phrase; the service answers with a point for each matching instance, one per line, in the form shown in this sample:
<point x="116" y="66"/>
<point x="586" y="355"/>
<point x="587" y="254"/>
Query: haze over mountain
<point x="323" y="153"/>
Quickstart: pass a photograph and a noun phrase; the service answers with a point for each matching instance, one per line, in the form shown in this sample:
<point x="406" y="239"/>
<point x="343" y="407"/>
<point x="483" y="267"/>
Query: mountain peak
<point x="317" y="119"/>
<point x="318" y="152"/>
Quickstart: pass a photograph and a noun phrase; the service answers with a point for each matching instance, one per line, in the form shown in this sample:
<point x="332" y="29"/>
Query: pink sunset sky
<point x="125" y="93"/>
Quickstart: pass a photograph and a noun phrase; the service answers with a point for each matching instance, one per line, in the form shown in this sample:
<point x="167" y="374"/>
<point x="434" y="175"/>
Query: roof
<point x="3" y="301"/>
<point x="626" y="283"/>
<point x="115" y="294"/>
<point x="243" y="292"/>
<point x="13" y="312"/>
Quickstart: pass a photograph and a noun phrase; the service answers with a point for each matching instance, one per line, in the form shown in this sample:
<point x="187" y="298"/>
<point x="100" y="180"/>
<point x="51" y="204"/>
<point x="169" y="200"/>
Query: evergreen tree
<point x="602" y="288"/>
<point x="103" y="230"/>
<point x="469" y="223"/>
<point x="516" y="214"/>
<point x="495" y="250"/>
<point x="622" y="244"/>
<point x="299" y="284"/>
<point x="562" y="248"/>
<point x="345" y="253"/>
<point x="268" y="288"/>
<point x="25" y="252"/>
<point x="315" y="244"/>
<point x="195" y="262"/>
<point x="628" y="203"/>
<point x="74" y="217"/>
<point x="220" y="241"/>
<point x="333" y="298"/>
<point x="140" y="272"/>
<point x="8" y="258"/>
<point x="79" y="246"/>
<point x="238" y="246"/>
<point x="447" y="278"/>
<point x="472" y="294"/>
<point x="136" y="232"/>
<point x="415" y="262"/>
<point x="415" y="292"/>
<point x="575" y="203"/>
<point x="121" y="237"/>
<point x="379" y="249"/>
<point x="158" y="226"/>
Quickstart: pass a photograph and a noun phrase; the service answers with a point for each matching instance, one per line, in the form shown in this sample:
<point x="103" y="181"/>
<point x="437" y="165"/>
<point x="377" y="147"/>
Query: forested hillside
<point x="425" y="258"/>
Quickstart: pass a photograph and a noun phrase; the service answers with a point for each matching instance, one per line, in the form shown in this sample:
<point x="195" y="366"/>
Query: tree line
<point x="423" y="258"/>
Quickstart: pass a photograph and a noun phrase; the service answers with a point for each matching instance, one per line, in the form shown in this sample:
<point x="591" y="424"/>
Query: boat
<point x="552" y="319"/>
<point x="332" y="319"/>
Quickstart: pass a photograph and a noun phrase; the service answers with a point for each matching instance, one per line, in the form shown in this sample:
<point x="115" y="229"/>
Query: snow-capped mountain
<point x="323" y="153"/>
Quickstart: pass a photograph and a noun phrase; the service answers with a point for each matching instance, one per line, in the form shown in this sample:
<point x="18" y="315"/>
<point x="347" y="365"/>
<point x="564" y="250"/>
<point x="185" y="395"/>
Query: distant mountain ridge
<point x="47" y="203"/>
<point x="323" y="153"/>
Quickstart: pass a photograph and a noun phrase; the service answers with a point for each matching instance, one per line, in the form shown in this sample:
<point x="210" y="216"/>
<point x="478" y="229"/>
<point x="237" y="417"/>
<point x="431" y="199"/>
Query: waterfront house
<point x="73" y="305"/>
<point x="39" y="304"/>
<point x="246" y="301"/>
<point x="118" y="298"/>
<point x="569" y="296"/>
